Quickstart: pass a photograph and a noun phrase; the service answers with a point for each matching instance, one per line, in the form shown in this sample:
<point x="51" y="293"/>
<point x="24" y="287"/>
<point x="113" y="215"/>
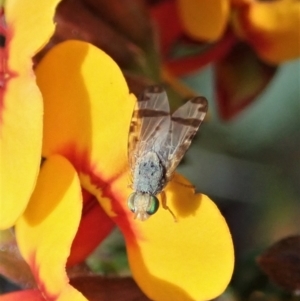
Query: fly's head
<point x="143" y="205"/>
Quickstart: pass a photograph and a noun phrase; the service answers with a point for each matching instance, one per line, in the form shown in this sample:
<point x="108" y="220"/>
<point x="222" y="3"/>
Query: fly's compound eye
<point x="153" y="205"/>
<point x="130" y="202"/>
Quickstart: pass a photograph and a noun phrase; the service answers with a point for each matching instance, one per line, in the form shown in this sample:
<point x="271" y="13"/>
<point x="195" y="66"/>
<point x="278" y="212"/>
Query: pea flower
<point x="21" y="112"/>
<point x="83" y="180"/>
<point x="271" y="28"/>
<point x="243" y="40"/>
<point x="20" y="101"/>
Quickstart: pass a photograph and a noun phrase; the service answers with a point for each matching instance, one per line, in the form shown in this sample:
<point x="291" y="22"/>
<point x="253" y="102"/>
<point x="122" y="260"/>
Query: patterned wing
<point x="150" y="123"/>
<point x="185" y="123"/>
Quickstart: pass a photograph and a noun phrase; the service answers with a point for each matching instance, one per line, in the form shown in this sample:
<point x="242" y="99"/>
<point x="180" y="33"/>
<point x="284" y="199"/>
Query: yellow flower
<point x="87" y="112"/>
<point x="271" y="27"/>
<point x="25" y="28"/>
<point x="87" y="115"/>
<point x="21" y="103"/>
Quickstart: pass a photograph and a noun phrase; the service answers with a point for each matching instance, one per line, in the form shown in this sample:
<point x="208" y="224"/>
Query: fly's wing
<point x="150" y="123"/>
<point x="185" y="123"/>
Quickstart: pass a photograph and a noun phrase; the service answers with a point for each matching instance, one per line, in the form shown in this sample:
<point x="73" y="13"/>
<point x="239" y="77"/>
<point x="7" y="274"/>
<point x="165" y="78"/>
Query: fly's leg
<point x="165" y="206"/>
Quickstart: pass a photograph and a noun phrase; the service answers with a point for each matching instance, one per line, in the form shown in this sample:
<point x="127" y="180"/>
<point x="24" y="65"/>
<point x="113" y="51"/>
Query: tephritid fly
<point x="157" y="142"/>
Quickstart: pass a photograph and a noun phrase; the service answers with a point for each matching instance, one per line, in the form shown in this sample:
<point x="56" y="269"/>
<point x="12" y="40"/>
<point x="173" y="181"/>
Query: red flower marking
<point x="5" y="73"/>
<point x="94" y="227"/>
<point x="81" y="162"/>
<point x="35" y="269"/>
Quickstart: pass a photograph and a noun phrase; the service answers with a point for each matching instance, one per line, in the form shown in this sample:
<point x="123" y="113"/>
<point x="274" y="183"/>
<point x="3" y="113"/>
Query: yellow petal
<point x="46" y="229"/>
<point x="191" y="259"/>
<point x="272" y="28"/>
<point x="21" y="104"/>
<point x="204" y="20"/>
<point x="87" y="110"/>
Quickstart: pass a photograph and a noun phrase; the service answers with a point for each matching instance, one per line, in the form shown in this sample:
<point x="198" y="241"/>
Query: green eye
<point x="130" y="202"/>
<point x="153" y="205"/>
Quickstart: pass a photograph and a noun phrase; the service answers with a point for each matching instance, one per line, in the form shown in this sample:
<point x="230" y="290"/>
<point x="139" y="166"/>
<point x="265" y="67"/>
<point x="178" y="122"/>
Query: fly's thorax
<point x="149" y="174"/>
